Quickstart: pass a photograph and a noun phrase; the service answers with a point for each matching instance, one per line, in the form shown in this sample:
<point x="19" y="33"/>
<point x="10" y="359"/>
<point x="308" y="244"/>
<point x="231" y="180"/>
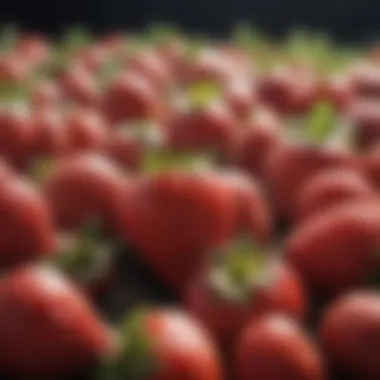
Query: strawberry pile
<point x="244" y="174"/>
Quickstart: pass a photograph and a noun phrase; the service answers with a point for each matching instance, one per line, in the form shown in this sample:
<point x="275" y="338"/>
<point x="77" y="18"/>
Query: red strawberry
<point x="371" y="165"/>
<point x="33" y="48"/>
<point x="130" y="97"/>
<point x="164" y="344"/>
<point x="365" y="79"/>
<point x="13" y="70"/>
<point x="275" y="347"/>
<point x="174" y="217"/>
<point x="46" y="94"/>
<point x="92" y="58"/>
<point x="210" y="129"/>
<point x="349" y="333"/>
<point x="241" y="285"/>
<point x="51" y="133"/>
<point x="253" y="217"/>
<point x="86" y="129"/>
<point x="329" y="188"/>
<point x="80" y="86"/>
<point x="17" y="135"/>
<point x="48" y="329"/>
<point x="335" y="250"/>
<point x="26" y="229"/>
<point x="82" y="188"/>
<point x="124" y="149"/>
<point x="256" y="140"/>
<point x="289" y="90"/>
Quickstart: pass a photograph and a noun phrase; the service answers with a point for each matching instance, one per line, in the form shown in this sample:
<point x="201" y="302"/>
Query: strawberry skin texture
<point x="275" y="347"/>
<point x="48" y="329"/>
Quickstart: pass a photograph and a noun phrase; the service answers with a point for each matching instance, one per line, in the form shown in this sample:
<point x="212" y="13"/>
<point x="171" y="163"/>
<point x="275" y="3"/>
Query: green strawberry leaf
<point x="202" y="94"/>
<point x="321" y="122"/>
<point x="9" y="36"/>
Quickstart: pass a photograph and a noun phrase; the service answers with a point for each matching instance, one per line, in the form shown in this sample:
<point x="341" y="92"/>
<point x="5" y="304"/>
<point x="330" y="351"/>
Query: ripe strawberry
<point x="275" y="347"/>
<point x="256" y="140"/>
<point x="51" y="134"/>
<point x="86" y="130"/>
<point x="371" y="165"/>
<point x="164" y="344"/>
<point x="48" y="329"/>
<point x="335" y="250"/>
<point x="17" y="135"/>
<point x="289" y="90"/>
<point x="210" y="129"/>
<point x="33" y="48"/>
<point x="329" y="188"/>
<point x="24" y="214"/>
<point x="46" y="94"/>
<point x="240" y="285"/>
<point x="80" y="86"/>
<point x="349" y="333"/>
<point x="13" y="70"/>
<point x="365" y="79"/>
<point x="82" y="188"/>
<point x="130" y="97"/>
<point x="252" y="216"/>
<point x="173" y="218"/>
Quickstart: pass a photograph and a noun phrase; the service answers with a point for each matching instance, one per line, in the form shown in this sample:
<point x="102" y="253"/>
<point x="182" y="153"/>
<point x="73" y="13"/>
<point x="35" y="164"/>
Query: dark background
<point x="350" y="20"/>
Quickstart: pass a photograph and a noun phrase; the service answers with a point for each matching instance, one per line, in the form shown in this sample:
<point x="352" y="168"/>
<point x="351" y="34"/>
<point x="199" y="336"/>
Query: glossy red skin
<point x="330" y="188"/>
<point x="79" y="86"/>
<point x="13" y="70"/>
<point x="349" y="334"/>
<point x="365" y="80"/>
<point x="175" y="218"/>
<point x="284" y="293"/>
<point x="334" y="251"/>
<point x="152" y="67"/>
<point x="17" y="136"/>
<point x="289" y="165"/>
<point x="83" y="187"/>
<point x="181" y="348"/>
<point x="51" y="134"/>
<point x="212" y="130"/>
<point x="337" y="91"/>
<point x="124" y="149"/>
<point x="258" y="137"/>
<point x="33" y="48"/>
<point x="49" y="329"/>
<point x="275" y="347"/>
<point x="289" y="90"/>
<point x="253" y="215"/>
<point x="24" y="214"/>
<point x="365" y="118"/>
<point x="92" y="58"/>
<point x="130" y="98"/>
<point x="46" y="94"/>
<point x="87" y="130"/>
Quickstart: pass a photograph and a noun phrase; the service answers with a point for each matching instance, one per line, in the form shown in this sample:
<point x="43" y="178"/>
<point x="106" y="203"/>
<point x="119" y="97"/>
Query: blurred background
<point x="348" y="20"/>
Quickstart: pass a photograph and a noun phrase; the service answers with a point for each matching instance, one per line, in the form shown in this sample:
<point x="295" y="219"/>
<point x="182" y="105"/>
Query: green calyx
<point x="41" y="170"/>
<point x="81" y="256"/>
<point x="202" y="94"/>
<point x="239" y="271"/>
<point x="321" y="123"/>
<point x="134" y="360"/>
<point x="164" y="160"/>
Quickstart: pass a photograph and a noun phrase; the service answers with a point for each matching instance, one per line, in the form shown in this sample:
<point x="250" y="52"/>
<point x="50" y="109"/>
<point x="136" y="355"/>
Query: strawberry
<point x="349" y="334"/>
<point x="86" y="129"/>
<point x="291" y="163"/>
<point x="329" y="188"/>
<point x="243" y="283"/>
<point x="252" y="215"/>
<point x="13" y="70"/>
<point x="275" y="347"/>
<point x="371" y="165"/>
<point x="48" y="329"/>
<point x="17" y="136"/>
<point x="47" y="93"/>
<point x="335" y="250"/>
<point x="257" y="138"/>
<point x="210" y="129"/>
<point x="164" y="344"/>
<point x="82" y="188"/>
<point x="130" y="97"/>
<point x="174" y="217"/>
<point x="365" y="79"/>
<point x="24" y="214"/>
